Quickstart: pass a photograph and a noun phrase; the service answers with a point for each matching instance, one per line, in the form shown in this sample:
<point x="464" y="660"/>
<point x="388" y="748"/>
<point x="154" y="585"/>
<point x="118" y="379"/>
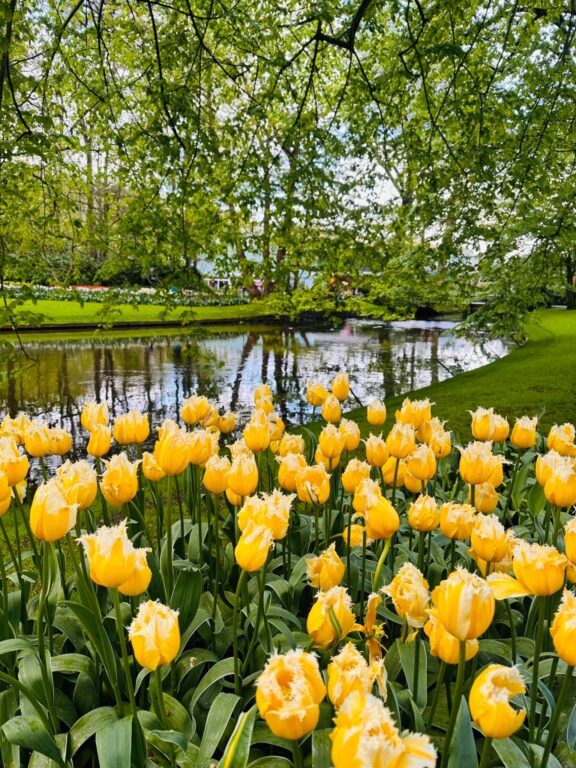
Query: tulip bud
<point x="216" y="474"/>
<point x="94" y="414"/>
<point x="422" y="463"/>
<point x="350" y="431"/>
<point x="331" y="441"/>
<point x="100" y="441"/>
<point x="410" y="595"/>
<point x="257" y="432"/>
<point x="488" y="538"/>
<point x="288" y="693"/>
<point x="476" y="463"/>
<point x="490" y="697"/>
<point x="355" y="472"/>
<point x="423" y="514"/>
<point x="172" y="449"/>
<point x="251" y="551"/>
<point x="341" y="386"/>
<point x="243" y="475"/>
<point x="444" y="645"/>
<point x="561" y="439"/>
<point x="37" y="439"/>
<point x="457" y="520"/>
<point x="151" y="469"/>
<point x="485" y="497"/>
<point x="53" y="511"/>
<point x="80" y="480"/>
<point x="376" y="413"/>
<point x="376" y="450"/>
<point x="155" y="635"/>
<point x="524" y="433"/>
<point x="141" y="576"/>
<point x="316" y="394"/>
<point x="119" y="482"/>
<point x="60" y="441"/>
<point x="290" y="465"/>
<point x="227" y="422"/>
<point x="194" y="409"/>
<point x="326" y="570"/>
<point x="465" y="604"/>
<point x="331" y="618"/>
<point x="12" y="462"/>
<point x="131" y="428"/>
<point x="563" y="629"/>
<point x="401" y="440"/>
<point x="331" y="410"/>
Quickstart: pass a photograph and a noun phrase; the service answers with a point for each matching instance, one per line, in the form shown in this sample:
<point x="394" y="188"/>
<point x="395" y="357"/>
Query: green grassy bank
<point x="538" y="378"/>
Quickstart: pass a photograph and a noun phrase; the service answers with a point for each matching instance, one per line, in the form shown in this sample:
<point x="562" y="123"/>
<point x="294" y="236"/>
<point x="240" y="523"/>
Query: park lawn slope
<point x="538" y="378"/>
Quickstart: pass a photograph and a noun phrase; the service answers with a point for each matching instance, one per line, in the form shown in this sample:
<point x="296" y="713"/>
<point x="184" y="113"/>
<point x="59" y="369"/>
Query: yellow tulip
<point x="251" y="551"/>
<point x="489" y="539"/>
<point x="350" y="431"/>
<point x="487" y="425"/>
<point x="412" y="484"/>
<point x="355" y="472"/>
<point x="172" y="449"/>
<point x="202" y="444"/>
<point x="290" y="465"/>
<point x="60" y="441"/>
<point x="547" y="465"/>
<point x="365" y="736"/>
<point x="5" y="490"/>
<point x="561" y="439"/>
<point x="376" y="450"/>
<point x="394" y="476"/>
<point x="341" y="386"/>
<point x="276" y="426"/>
<point x="276" y="512"/>
<point x="233" y="498"/>
<point x="216" y="471"/>
<point x="291" y="444"/>
<point x="151" y="469"/>
<point x="349" y="671"/>
<point x="331" y="618"/>
<point x="401" y="440"/>
<point x="288" y="693"/>
<point x="539" y="570"/>
<point x="313" y="484"/>
<point x="331" y="410"/>
<point x="563" y="629"/>
<point x="376" y="413"/>
<point x="356" y="533"/>
<point x="316" y="394"/>
<point x="570" y="540"/>
<point x="524" y="432"/>
<point x="327" y="462"/>
<point x="141" y="576"/>
<point x="444" y="645"/>
<point x="409" y="593"/>
<point x="94" y="414"/>
<point x="194" y="409"/>
<point x="560" y="489"/>
<point x="12" y="462"/>
<point x="496" y="476"/>
<point x="119" y="482"/>
<point x="441" y="443"/>
<point x="243" y="475"/>
<point x="428" y="429"/>
<point x="100" y="441"/>
<point x="457" y="520"/>
<point x="422" y="463"/>
<point x="111" y="555"/>
<point x="131" y="428"/>
<point x="367" y="491"/>
<point x="53" y="511"/>
<point x="414" y="412"/>
<point x="331" y="441"/>
<point x="476" y="462"/>
<point x="423" y="514"/>
<point x="81" y="480"/>
<point x="490" y="697"/>
<point x="465" y="604"/>
<point x="485" y="497"/>
<point x="381" y="518"/>
<point x="227" y="422"/>
<point x="155" y="635"/>
<point x="37" y="439"/>
<point x="325" y="570"/>
<point x="257" y="432"/>
<point x="15" y="427"/>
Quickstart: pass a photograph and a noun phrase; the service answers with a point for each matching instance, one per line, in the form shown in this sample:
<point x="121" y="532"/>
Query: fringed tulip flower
<point x="488" y="538"/>
<point x="60" y="441"/>
<point x="290" y="465"/>
<point x="331" y="618"/>
<point x="227" y="422"/>
<point x="216" y="471"/>
<point x="111" y="555"/>
<point x="119" y="482"/>
<point x="313" y="484"/>
<point x="194" y="409"/>
<point x="316" y="394"/>
<point x="355" y="472"/>
<point x="401" y="440"/>
<point x="243" y="475"/>
<point x="138" y="582"/>
<point x="523" y="434"/>
<point x="331" y="441"/>
<point x="350" y="432"/>
<point x="331" y="410"/>
<point x="444" y="645"/>
<point x="424" y="514"/>
<point x="563" y="629"/>
<point x="131" y="428"/>
<point x="257" y="432"/>
<point x="457" y="520"/>
<point x="490" y="698"/>
<point x="349" y="671"/>
<point x="414" y="412"/>
<point x="37" y="439"/>
<point x="288" y="694"/>
<point x="253" y="547"/>
<point x="53" y="511"/>
<point x="409" y="593"/>
<point x="94" y="414"/>
<point x="341" y="386"/>
<point x="561" y="439"/>
<point x="325" y="570"/>
<point x="291" y="444"/>
<point x="422" y="463"/>
<point x="151" y="469"/>
<point x="376" y="450"/>
<point x="155" y="635"/>
<point x="12" y="462"/>
<point x="538" y="568"/>
<point x="465" y="604"/>
<point x="485" y="497"/>
<point x="100" y="441"/>
<point x="476" y="462"/>
<point x="81" y="479"/>
<point x="376" y="413"/>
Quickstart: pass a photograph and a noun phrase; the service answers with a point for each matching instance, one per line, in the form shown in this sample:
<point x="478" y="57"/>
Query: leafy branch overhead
<point x="142" y="140"/>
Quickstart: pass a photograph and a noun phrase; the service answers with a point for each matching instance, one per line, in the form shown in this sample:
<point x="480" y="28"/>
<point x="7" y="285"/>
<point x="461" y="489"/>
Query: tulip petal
<point x="504" y="586"/>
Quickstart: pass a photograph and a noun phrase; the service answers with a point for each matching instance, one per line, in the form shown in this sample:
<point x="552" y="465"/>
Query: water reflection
<point x="156" y="374"/>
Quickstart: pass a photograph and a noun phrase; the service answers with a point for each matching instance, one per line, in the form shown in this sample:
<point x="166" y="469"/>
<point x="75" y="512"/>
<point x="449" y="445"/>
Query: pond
<point x="155" y="374"/>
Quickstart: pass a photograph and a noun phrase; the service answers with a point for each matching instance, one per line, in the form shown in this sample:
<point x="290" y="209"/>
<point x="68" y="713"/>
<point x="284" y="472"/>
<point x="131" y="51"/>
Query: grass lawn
<point x="538" y="378"/>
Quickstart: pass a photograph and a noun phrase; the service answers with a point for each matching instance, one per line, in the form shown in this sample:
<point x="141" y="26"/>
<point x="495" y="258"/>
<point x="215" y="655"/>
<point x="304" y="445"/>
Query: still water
<point x="154" y="374"/>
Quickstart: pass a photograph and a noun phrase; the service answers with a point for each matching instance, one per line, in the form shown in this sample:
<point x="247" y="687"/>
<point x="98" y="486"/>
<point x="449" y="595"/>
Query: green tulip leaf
<point x="30" y="733"/>
<point x="321" y="748"/>
<point x="238" y="747"/>
<point x="219" y="718"/>
<point x="114" y="744"/>
<point x="219" y="671"/>
<point x="462" y="747"/>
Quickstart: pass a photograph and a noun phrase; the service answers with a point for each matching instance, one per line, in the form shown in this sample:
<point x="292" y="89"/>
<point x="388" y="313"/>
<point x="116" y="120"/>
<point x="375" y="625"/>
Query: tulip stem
<point x="262" y="586"/>
<point x="170" y="573"/>
<point x="512" y="630"/>
<point x="473" y="495"/>
<point x="124" y="651"/>
<point x="485" y="752"/>
<point x="381" y="562"/>
<point x="44" y="613"/>
<point x="536" y="663"/>
<point x="105" y="515"/>
<point x="17" y="564"/>
<point x="510" y="489"/>
<point x="396" y="468"/>
<point x="161" y="711"/>
<point x="316" y="528"/>
<point x="436" y="698"/>
<point x="215" y="513"/>
<point x="237" y="678"/>
<point x="456" y="701"/>
<point x="556" y="511"/>
<point x="421" y="535"/>
<point x="25" y="518"/>
<point x="297" y="755"/>
<point x="556" y="716"/>
<point x="348" y="551"/>
<point x="363" y="583"/>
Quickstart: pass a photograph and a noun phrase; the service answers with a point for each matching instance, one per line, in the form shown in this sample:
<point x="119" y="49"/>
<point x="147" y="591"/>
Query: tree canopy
<point x="417" y="149"/>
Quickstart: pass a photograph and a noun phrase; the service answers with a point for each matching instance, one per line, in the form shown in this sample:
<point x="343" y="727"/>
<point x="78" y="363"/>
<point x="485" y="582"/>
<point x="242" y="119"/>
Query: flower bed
<point x="278" y="599"/>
